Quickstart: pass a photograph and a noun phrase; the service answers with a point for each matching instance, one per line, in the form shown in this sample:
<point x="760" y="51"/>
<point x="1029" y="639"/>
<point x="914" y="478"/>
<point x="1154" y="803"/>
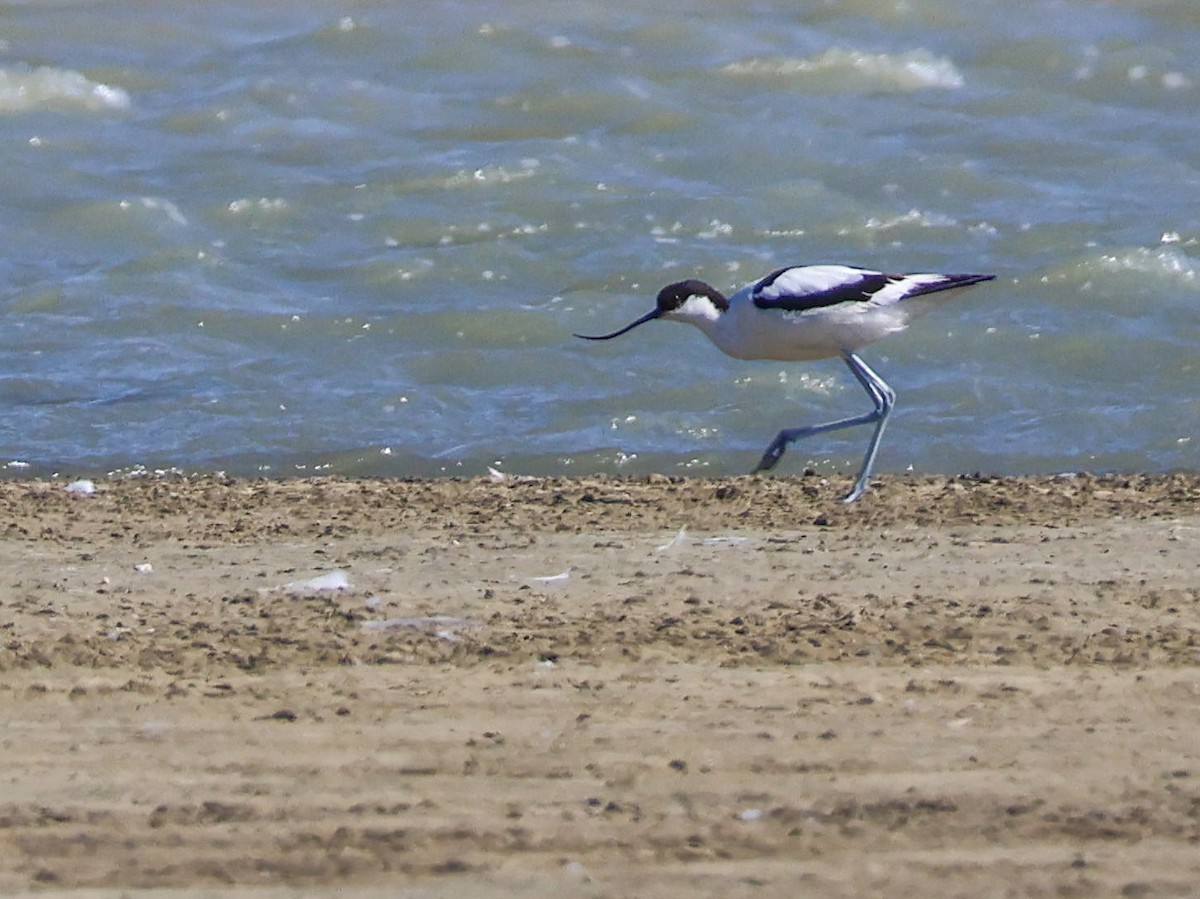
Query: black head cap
<point x="675" y="295"/>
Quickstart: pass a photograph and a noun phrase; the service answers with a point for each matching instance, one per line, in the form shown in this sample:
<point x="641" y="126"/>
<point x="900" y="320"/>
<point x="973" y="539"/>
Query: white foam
<point x="491" y="175"/>
<point x="1167" y="262"/>
<point x="914" y="217"/>
<point x="157" y="204"/>
<point x="23" y="89"/>
<point x="247" y="205"/>
<point x="909" y="71"/>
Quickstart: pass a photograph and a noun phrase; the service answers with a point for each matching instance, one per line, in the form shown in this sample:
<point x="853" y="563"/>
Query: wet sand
<point x="604" y="687"/>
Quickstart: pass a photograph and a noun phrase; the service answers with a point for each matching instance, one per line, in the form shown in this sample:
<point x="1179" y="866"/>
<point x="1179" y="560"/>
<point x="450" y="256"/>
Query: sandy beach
<point x="604" y="687"/>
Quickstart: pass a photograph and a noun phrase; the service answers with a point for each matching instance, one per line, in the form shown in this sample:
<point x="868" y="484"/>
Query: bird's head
<point x="689" y="301"/>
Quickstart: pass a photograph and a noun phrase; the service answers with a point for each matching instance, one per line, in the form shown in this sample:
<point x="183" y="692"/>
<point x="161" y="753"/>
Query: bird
<point x="809" y="312"/>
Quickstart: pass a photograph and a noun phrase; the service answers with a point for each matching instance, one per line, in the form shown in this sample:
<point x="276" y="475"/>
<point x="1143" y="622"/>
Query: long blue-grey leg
<point x="883" y="398"/>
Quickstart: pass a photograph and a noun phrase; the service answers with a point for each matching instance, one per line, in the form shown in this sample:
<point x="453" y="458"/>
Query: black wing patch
<point x="799" y="289"/>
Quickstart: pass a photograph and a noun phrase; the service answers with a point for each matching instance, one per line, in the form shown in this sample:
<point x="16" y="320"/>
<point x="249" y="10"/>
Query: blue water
<point x="297" y="237"/>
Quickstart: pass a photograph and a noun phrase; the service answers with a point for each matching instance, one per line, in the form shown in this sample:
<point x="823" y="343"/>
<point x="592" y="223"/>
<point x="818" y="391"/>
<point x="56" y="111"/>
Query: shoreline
<point x="610" y="686"/>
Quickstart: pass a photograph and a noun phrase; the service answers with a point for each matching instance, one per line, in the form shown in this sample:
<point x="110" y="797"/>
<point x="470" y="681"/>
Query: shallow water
<point x="293" y="236"/>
